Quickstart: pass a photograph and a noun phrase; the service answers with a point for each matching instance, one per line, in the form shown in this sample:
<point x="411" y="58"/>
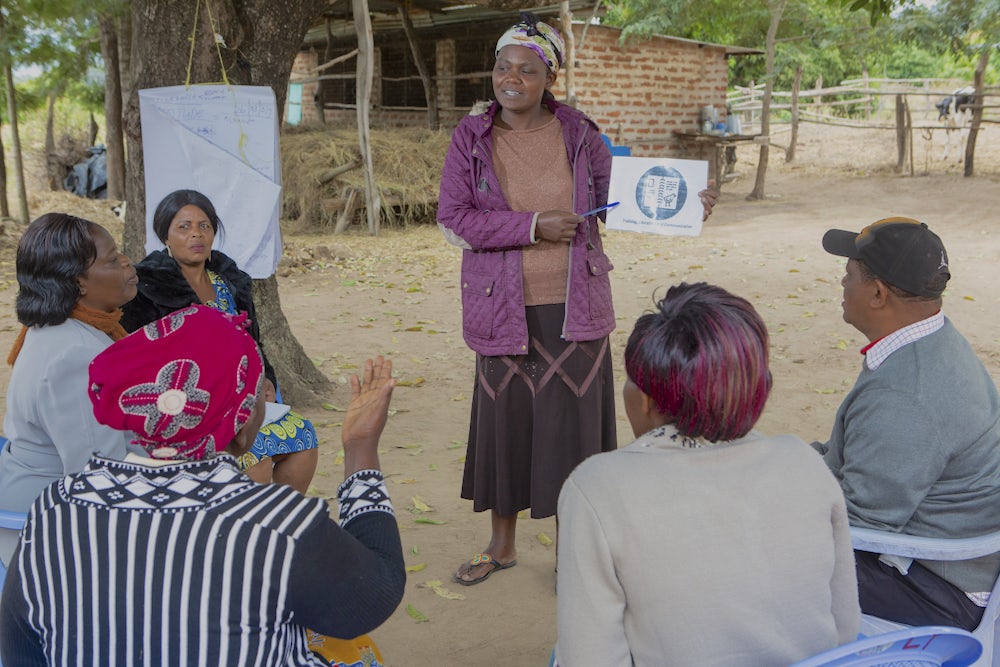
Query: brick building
<point x="638" y="93"/>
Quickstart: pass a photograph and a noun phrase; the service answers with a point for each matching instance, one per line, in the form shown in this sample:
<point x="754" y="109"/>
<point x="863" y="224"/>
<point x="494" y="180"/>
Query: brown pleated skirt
<point x="535" y="417"/>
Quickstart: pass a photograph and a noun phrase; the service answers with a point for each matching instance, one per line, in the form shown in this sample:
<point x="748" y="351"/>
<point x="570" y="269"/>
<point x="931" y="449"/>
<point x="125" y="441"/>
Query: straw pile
<point x="407" y="164"/>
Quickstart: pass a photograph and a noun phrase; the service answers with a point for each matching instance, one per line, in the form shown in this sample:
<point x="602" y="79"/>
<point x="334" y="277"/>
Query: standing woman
<point x="536" y="298"/>
<point x="72" y="281"/>
<point x="189" y="272"/>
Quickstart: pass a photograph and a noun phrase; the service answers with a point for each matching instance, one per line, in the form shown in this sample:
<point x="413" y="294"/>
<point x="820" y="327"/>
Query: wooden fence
<point x="857" y="103"/>
<point x="903" y="105"/>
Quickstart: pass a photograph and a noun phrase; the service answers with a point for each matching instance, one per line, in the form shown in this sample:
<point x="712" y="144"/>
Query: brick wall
<point x="637" y="94"/>
<point x="640" y="93"/>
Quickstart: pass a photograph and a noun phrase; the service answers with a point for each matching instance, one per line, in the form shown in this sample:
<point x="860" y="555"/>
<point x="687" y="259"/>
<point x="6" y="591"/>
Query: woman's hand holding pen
<point x="559" y="226"/>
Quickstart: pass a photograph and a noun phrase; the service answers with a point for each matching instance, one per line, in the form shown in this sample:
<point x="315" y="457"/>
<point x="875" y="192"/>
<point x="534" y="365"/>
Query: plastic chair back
<point x="615" y="150"/>
<point x="910" y="546"/>
<point x="926" y="646"/>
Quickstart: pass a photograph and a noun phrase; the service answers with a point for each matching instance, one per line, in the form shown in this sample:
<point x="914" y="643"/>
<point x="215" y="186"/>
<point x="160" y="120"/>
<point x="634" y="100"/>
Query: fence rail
<point x="858" y="103"/>
<point x="861" y="102"/>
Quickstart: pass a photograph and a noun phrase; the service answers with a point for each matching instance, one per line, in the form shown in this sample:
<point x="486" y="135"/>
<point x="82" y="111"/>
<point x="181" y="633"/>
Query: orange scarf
<point x="109" y="323"/>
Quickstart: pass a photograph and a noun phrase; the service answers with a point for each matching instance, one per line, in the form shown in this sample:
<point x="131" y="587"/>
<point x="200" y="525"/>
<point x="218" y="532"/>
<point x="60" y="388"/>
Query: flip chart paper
<point x="223" y="142"/>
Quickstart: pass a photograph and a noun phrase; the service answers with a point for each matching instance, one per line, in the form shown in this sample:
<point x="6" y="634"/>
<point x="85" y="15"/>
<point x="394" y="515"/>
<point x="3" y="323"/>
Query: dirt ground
<point x="398" y="295"/>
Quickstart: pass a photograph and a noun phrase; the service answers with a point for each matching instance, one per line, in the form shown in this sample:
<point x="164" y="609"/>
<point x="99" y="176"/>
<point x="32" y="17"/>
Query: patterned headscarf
<point x="184" y="384"/>
<point x="540" y="37"/>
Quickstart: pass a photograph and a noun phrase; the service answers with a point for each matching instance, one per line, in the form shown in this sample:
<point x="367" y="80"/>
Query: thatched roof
<point x="430" y="16"/>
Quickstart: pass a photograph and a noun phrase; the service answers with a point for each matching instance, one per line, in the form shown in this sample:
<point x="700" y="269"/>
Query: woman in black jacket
<point x="189" y="272"/>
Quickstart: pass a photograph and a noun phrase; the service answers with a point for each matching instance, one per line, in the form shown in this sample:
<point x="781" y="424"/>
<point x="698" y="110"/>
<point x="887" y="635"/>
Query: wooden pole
<point x="867" y="100"/>
<point x="366" y="73"/>
<point x="319" y="99"/>
<point x="331" y="174"/>
<point x="977" y="110"/>
<point x="569" y="63"/>
<point x="909" y="131"/>
<point x="430" y="89"/>
<point x="790" y="152"/>
<point x="900" y="134"/>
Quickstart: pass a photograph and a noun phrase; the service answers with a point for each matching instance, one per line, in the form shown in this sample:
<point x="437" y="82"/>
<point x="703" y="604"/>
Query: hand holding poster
<point x="657" y="195"/>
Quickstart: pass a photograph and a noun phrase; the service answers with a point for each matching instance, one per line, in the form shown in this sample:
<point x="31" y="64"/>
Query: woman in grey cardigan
<point x="72" y="283"/>
<point x="702" y="542"/>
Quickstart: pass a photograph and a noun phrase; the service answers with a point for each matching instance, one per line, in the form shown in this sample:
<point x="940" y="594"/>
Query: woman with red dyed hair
<point x="703" y="542"/>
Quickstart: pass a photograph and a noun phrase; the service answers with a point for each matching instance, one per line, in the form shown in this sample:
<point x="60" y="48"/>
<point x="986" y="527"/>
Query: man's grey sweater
<point x="916" y="449"/>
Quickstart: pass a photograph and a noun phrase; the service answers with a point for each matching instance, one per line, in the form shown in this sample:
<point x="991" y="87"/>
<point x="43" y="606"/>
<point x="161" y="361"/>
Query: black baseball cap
<point x="901" y="251"/>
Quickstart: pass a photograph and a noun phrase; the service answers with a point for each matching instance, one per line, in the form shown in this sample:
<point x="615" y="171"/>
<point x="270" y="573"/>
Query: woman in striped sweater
<point x="178" y="559"/>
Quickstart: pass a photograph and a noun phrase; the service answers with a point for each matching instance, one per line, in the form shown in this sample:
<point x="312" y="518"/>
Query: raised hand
<point x="367" y="414"/>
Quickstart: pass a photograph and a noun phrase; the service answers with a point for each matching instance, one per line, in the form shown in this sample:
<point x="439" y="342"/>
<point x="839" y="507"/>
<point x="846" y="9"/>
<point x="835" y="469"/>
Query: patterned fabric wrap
<point x="224" y="300"/>
<point x="292" y="433"/>
<point x="538" y="36"/>
<point x="363" y="492"/>
<point x="184" y="384"/>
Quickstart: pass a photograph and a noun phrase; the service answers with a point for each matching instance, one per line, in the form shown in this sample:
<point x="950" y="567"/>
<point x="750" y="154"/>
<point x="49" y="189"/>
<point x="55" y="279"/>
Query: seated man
<point x="916" y="442"/>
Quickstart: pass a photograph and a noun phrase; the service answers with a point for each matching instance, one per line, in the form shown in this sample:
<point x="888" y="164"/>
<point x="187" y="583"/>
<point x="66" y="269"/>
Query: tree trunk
<point x="92" y="132"/>
<point x="776" y="8"/>
<point x="977" y="111"/>
<point x="366" y="57"/>
<point x="430" y="89"/>
<point x="53" y="170"/>
<point x="124" y="24"/>
<point x="4" y="206"/>
<point x="22" y="193"/>
<point x="265" y="35"/>
<point x="114" y="140"/>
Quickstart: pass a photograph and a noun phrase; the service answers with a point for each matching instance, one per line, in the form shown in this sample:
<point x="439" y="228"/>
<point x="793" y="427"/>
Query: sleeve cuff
<point x="534" y="225"/>
<point x="363" y="492"/>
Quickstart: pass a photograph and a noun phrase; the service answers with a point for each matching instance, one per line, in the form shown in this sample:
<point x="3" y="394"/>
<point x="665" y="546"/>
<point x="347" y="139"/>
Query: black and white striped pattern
<point x="185" y="565"/>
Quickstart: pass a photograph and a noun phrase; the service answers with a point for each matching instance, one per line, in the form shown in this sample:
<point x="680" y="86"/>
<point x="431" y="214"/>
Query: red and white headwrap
<point x="184" y="384"/>
<point x="538" y="36"/>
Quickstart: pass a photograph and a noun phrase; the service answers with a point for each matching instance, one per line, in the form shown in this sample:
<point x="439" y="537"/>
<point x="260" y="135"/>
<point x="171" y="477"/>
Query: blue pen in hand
<point x="601" y="208"/>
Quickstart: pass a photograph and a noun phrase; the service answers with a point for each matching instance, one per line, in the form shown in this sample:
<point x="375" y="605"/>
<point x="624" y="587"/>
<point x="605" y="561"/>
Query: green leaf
<point x="416" y="614"/>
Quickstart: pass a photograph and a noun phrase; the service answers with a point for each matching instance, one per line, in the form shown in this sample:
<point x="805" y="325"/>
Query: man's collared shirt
<point x="879" y="351"/>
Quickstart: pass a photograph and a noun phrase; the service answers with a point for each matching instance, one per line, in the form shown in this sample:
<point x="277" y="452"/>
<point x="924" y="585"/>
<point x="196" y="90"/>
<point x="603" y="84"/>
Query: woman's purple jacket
<point x="474" y="215"/>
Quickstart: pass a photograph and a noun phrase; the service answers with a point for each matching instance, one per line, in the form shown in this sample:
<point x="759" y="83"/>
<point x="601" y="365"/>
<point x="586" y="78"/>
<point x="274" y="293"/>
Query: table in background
<point x="711" y="147"/>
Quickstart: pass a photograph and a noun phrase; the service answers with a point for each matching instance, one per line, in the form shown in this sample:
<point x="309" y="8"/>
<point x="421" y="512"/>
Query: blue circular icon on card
<point x="661" y="192"/>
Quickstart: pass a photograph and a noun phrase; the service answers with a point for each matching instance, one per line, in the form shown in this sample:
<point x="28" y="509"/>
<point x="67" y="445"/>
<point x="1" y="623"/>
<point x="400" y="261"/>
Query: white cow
<point x="955" y="112"/>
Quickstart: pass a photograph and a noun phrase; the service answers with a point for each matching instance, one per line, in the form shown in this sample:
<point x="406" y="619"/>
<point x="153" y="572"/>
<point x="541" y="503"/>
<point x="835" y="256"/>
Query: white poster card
<point x="657" y="195"/>
<point x="223" y="142"/>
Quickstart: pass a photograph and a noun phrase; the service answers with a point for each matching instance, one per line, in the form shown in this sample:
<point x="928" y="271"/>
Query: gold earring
<point x="169" y="254"/>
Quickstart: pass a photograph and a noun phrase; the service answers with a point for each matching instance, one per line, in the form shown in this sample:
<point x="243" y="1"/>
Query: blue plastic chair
<point x="926" y="646"/>
<point x="615" y="150"/>
<point x="930" y="548"/>
<point x="9" y="521"/>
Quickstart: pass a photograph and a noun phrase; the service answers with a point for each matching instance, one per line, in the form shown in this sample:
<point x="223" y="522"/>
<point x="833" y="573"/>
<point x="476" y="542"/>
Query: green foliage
<point x="909" y="61"/>
<point x="833" y="38"/>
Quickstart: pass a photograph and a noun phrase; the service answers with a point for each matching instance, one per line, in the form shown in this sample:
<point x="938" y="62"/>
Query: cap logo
<point x="944" y="262"/>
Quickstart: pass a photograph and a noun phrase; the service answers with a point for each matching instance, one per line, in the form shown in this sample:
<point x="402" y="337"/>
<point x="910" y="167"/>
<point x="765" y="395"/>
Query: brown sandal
<point x="477" y="560"/>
